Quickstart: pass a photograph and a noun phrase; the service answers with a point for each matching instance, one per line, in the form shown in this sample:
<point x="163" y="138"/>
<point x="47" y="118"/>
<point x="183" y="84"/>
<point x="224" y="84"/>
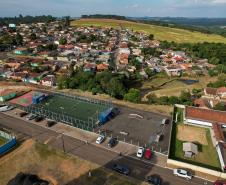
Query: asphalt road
<point x="106" y="158"/>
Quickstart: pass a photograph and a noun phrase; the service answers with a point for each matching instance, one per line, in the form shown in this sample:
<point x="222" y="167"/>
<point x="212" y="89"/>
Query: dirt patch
<point x="192" y="134"/>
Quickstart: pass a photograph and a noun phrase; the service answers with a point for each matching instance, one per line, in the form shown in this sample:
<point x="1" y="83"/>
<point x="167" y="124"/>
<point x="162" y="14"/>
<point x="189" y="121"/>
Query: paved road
<point x="90" y="152"/>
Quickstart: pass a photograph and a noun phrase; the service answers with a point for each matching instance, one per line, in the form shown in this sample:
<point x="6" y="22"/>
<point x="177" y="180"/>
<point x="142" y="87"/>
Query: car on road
<point x="218" y="182"/>
<point x="148" y="154"/>
<point x="121" y="169"/>
<point x="165" y="121"/>
<point x="31" y="117"/>
<point x="22" y="114"/>
<point x="182" y="173"/>
<point x="50" y="123"/>
<point x="154" y="180"/>
<point x="112" y="142"/>
<point x="38" y="118"/>
<point x="5" y="108"/>
<point x="100" y="139"/>
<point x="140" y="152"/>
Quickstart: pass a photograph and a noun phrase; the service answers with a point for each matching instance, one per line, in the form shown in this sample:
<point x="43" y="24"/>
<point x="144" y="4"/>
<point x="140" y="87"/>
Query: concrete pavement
<point x="140" y="169"/>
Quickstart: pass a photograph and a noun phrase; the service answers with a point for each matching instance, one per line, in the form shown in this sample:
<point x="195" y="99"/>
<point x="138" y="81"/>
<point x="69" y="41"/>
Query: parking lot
<point x="139" y="128"/>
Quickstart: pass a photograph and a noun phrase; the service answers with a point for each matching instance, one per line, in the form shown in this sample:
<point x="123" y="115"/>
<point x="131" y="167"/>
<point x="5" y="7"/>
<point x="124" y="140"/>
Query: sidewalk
<point x="90" y="137"/>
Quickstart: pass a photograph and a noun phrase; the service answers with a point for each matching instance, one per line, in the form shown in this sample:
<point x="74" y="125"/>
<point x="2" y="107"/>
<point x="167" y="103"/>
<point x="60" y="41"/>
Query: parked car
<point x="182" y="173"/>
<point x="140" y="152"/>
<point x="6" y="108"/>
<point x="38" y="119"/>
<point x="218" y="182"/>
<point x="30" y="117"/>
<point x="159" y="137"/>
<point x="50" y="123"/>
<point x="22" y="114"/>
<point x="154" y="180"/>
<point x="112" y="142"/>
<point x="121" y="169"/>
<point x="165" y="121"/>
<point x="100" y="139"/>
<point x="148" y="154"/>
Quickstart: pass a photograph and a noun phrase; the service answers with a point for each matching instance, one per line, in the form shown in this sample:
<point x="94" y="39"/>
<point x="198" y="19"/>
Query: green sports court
<point x="77" y="107"/>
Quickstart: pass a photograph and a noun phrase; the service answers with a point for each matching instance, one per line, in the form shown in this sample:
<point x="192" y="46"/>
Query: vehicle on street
<point x="121" y="169"/>
<point x="38" y="119"/>
<point x="182" y="173"/>
<point x="22" y="114"/>
<point x="31" y="117"/>
<point x="154" y="180"/>
<point x="165" y="121"/>
<point x="148" y="154"/>
<point x="218" y="182"/>
<point x="140" y="152"/>
<point x="100" y="139"/>
<point x="112" y="142"/>
<point x="50" y="123"/>
<point x="6" y="108"/>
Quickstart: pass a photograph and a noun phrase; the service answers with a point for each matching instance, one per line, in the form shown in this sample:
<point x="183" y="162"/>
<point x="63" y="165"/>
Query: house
<point x="49" y="80"/>
<point x="190" y="149"/>
<point x="89" y="67"/>
<point x="102" y="67"/>
<point x="6" y="95"/>
<point x="173" y="70"/>
<point x="21" y="51"/>
<point x="217" y="93"/>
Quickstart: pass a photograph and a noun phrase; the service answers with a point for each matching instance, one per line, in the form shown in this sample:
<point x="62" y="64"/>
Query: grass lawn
<point x="160" y="32"/>
<point x="2" y="141"/>
<point x="174" y="87"/>
<point x="56" y="167"/>
<point x="207" y="156"/>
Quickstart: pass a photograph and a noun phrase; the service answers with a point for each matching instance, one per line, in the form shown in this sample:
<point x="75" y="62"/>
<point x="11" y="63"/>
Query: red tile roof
<point x="210" y="90"/>
<point x="205" y="115"/>
<point x="221" y="90"/>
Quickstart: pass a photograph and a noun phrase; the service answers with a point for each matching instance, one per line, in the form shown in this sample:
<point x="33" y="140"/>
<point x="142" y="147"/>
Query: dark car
<point x="22" y="114"/>
<point x="38" y="119"/>
<point x="220" y="182"/>
<point x="50" y="123"/>
<point x="112" y="142"/>
<point x="154" y="180"/>
<point x="121" y="169"/>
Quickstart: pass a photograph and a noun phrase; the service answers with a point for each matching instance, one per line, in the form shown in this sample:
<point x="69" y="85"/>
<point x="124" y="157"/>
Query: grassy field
<point x="2" y="141"/>
<point x="72" y="107"/>
<point x="160" y="32"/>
<point x="207" y="155"/>
<point x="174" y="87"/>
<point x="56" y="167"/>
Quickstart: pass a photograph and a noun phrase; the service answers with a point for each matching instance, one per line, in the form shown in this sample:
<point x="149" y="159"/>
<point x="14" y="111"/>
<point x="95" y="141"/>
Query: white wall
<point x="200" y="123"/>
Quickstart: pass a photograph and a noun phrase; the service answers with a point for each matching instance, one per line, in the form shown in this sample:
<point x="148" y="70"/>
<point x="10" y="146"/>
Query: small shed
<point x="190" y="149"/>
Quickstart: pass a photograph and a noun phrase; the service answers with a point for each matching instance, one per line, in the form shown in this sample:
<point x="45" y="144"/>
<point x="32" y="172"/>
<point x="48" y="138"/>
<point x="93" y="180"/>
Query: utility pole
<point x="62" y="139"/>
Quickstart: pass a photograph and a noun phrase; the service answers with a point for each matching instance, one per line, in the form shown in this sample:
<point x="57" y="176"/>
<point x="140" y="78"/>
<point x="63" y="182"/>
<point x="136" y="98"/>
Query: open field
<point x="191" y="134"/>
<point x="173" y="87"/>
<point x="2" y="141"/>
<point x="160" y="32"/>
<point x="56" y="167"/>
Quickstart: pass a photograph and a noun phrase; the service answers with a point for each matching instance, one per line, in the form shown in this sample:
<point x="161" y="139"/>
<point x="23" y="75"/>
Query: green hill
<point x="160" y="32"/>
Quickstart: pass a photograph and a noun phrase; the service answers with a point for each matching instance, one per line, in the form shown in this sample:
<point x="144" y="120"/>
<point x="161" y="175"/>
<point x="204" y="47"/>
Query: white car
<point x="182" y="173"/>
<point x="140" y="152"/>
<point x="100" y="139"/>
<point x="5" y="108"/>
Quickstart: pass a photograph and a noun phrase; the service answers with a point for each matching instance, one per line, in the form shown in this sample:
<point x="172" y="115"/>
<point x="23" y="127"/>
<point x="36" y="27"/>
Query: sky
<point x="134" y="8"/>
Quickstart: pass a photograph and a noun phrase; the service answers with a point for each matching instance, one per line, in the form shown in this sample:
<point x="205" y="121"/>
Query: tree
<point x="63" y="41"/>
<point x="33" y="36"/>
<point x="151" y="37"/>
<point x="133" y="96"/>
<point x="152" y="99"/>
<point x="220" y="106"/>
<point x="214" y="60"/>
<point x="19" y="39"/>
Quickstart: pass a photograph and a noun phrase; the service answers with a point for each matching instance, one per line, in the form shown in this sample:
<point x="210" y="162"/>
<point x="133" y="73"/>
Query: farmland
<point x="160" y="32"/>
